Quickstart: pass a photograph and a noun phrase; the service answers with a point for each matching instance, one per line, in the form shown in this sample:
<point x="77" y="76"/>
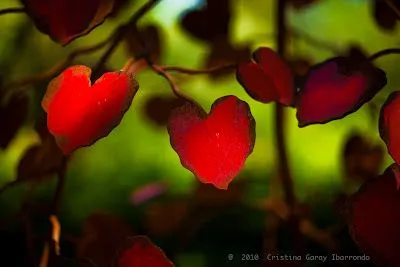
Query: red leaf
<point x="374" y="219"/>
<point x="336" y="88"/>
<point x="384" y="16"/>
<point x="389" y="125"/>
<point x="78" y="113"/>
<point x="268" y="78"/>
<point x="214" y="147"/>
<point x="141" y="252"/>
<point x="65" y="20"/>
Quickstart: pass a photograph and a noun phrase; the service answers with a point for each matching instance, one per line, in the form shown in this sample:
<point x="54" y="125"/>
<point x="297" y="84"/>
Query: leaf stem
<point x="12" y="10"/>
<point x="385" y="52"/>
<point x="196" y="72"/>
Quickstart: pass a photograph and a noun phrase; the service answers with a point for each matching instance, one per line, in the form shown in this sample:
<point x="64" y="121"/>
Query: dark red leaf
<point x="159" y="108"/>
<point x="267" y="77"/>
<point x="12" y="116"/>
<point x="163" y="218"/>
<point x="214" y="147"/>
<point x="210" y="23"/>
<point x="139" y="251"/>
<point x="374" y="219"/>
<point x="384" y="15"/>
<point x="362" y="158"/>
<point x="150" y="35"/>
<point x="224" y="53"/>
<point x="336" y="88"/>
<point x="65" y="20"/>
<point x="42" y="160"/>
<point x="79" y="113"/>
<point x="389" y="125"/>
<point x="103" y="234"/>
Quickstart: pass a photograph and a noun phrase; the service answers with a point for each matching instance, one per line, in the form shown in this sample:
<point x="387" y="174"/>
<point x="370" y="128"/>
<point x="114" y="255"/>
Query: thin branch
<point x="385" y="52"/>
<point x="196" y="72"/>
<point x="54" y="70"/>
<point x="175" y="88"/>
<point x="8" y="185"/>
<point x="122" y="31"/>
<point x="12" y="10"/>
<point x="393" y="7"/>
<point x="314" y="41"/>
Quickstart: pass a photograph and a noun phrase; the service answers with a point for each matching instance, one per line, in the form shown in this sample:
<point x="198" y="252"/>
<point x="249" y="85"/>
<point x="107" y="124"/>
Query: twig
<point x="175" y="88"/>
<point x="384" y="52"/>
<point x="393" y="8"/>
<point x="314" y="41"/>
<point x="284" y="171"/>
<point x="121" y="32"/>
<point x="57" y="67"/>
<point x="12" y="10"/>
<point x="51" y="247"/>
<point x="195" y="72"/>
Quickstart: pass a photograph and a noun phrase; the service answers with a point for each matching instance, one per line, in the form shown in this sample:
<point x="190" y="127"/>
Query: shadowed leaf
<point x="12" y="116"/>
<point x="65" y="20"/>
<point x="150" y="35"/>
<point x="139" y="251"/>
<point x="209" y="23"/>
<point x="159" y="108"/>
<point x="374" y="219"/>
<point x="362" y="159"/>
<point x="103" y="234"/>
<point x="336" y="88"/>
<point x="267" y="77"/>
<point x="384" y="16"/>
<point x="42" y="160"/>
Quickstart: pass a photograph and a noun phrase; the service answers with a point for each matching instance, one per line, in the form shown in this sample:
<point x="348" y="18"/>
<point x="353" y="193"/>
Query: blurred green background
<point x="137" y="153"/>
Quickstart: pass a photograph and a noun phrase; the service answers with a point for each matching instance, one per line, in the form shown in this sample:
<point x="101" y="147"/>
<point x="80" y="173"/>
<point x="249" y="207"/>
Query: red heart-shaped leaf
<point x="336" y="88"/>
<point x="267" y="78"/>
<point x="78" y="113"/>
<point x="65" y="20"/>
<point x="214" y="147"/>
<point x="139" y="251"/>
<point x="389" y="127"/>
<point x="375" y="218"/>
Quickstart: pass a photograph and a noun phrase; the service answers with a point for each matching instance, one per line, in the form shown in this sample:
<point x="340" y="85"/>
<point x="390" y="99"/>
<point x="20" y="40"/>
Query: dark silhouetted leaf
<point x="150" y="35"/>
<point x="118" y="6"/>
<point x="362" y="159"/>
<point x="224" y="53"/>
<point x="78" y="113"/>
<point x="214" y="147"/>
<point x="42" y="160"/>
<point x="336" y="88"/>
<point x="139" y="251"/>
<point x="384" y="16"/>
<point x="374" y="219"/>
<point x="65" y="20"/>
<point x="299" y="68"/>
<point x="210" y="23"/>
<point x="389" y="125"/>
<point x="159" y="108"/>
<point x="12" y="116"/>
<point x="163" y="218"/>
<point x="103" y="235"/>
<point x="267" y="78"/>
<point x="206" y="195"/>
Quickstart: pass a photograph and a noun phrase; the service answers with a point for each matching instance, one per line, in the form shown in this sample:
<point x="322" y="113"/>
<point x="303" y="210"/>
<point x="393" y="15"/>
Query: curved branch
<point x="196" y="72"/>
<point x="55" y="69"/>
<point x="12" y="10"/>
<point x="385" y="52"/>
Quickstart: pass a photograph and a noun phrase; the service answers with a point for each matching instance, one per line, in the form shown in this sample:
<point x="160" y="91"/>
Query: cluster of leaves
<point x="213" y="146"/>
